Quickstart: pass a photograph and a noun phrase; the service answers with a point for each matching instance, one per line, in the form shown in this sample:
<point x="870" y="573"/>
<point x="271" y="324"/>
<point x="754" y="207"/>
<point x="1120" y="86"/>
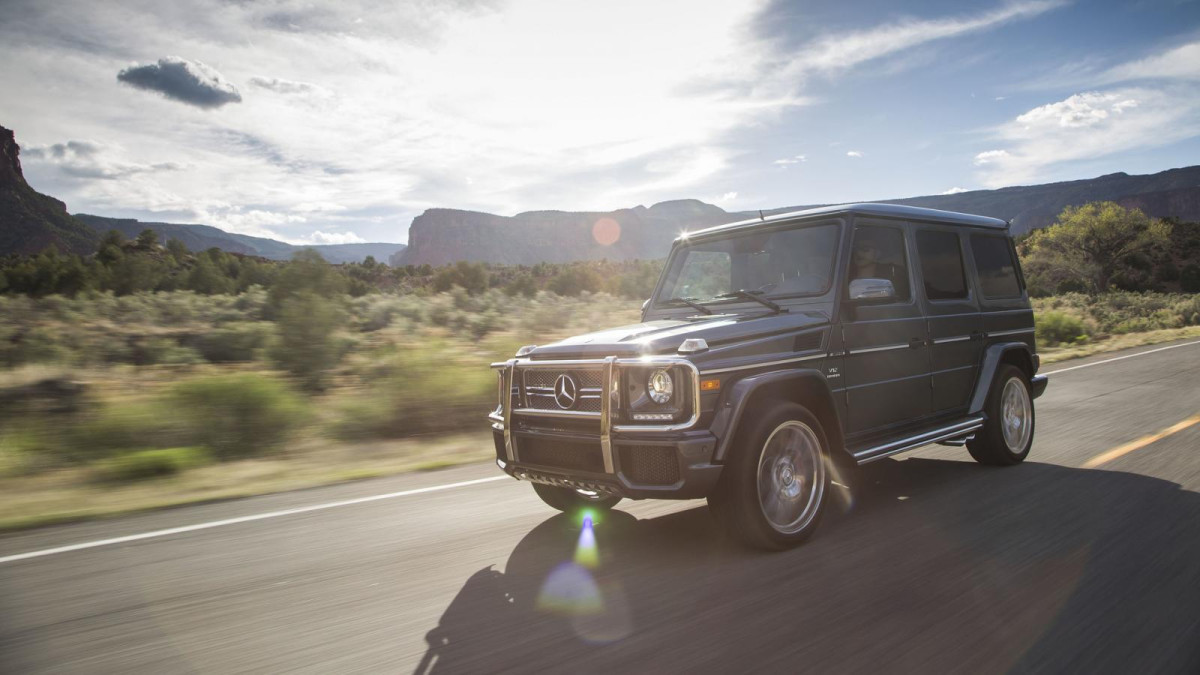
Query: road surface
<point x="1086" y="558"/>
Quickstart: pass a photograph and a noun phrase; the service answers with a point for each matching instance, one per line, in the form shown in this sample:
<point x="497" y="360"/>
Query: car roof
<point x="868" y="209"/>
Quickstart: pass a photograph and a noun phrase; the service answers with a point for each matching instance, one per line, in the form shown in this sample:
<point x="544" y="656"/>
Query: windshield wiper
<point x="749" y="295"/>
<point x="694" y="305"/>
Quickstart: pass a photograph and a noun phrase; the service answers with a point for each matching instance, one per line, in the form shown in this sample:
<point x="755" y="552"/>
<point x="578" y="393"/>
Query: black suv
<point x="775" y="351"/>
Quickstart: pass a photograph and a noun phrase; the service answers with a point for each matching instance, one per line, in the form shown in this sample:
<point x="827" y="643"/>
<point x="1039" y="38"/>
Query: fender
<point x="733" y="406"/>
<point x="987" y="372"/>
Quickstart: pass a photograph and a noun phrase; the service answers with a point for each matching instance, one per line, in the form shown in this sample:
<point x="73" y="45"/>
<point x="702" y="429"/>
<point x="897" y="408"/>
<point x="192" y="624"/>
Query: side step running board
<point x="954" y="431"/>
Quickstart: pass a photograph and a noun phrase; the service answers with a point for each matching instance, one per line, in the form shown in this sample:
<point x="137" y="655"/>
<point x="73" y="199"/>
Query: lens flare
<point x="606" y="231"/>
<point x="571" y="590"/>
<point x="586" y="553"/>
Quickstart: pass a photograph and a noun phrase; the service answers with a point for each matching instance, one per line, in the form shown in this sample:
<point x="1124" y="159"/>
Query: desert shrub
<point x="165" y="351"/>
<point x="38" y="344"/>
<point x="418" y="388"/>
<point x="241" y="341"/>
<point x="155" y="463"/>
<point x="121" y="426"/>
<point x="1054" y="328"/>
<point x="236" y="415"/>
<point x="27" y="447"/>
<point x="306" y="347"/>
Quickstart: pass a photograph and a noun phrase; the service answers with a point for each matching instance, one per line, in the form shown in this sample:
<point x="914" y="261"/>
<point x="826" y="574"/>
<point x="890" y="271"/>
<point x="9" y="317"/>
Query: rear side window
<point x="878" y="253"/>
<point x="997" y="273"/>
<point x="941" y="265"/>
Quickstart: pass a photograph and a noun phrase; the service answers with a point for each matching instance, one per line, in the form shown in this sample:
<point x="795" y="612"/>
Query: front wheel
<point x="570" y="500"/>
<point x="1007" y="434"/>
<point x="773" y="491"/>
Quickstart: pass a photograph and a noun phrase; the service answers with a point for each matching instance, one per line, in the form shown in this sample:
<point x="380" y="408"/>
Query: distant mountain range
<point x="30" y="221"/>
<point x="440" y="236"/>
<point x="201" y="237"/>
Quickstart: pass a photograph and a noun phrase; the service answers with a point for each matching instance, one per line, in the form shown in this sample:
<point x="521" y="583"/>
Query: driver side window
<point x="878" y="253"/>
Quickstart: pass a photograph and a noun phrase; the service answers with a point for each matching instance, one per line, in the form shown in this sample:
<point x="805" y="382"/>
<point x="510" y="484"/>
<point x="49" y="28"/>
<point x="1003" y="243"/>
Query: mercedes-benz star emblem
<point x="565" y="391"/>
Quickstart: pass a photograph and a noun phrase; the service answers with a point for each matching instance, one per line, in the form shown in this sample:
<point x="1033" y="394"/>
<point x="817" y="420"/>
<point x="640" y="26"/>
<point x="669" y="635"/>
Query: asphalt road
<point x="934" y="564"/>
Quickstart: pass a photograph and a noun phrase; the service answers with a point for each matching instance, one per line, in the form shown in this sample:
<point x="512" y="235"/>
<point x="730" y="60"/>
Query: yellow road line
<point x="1122" y="450"/>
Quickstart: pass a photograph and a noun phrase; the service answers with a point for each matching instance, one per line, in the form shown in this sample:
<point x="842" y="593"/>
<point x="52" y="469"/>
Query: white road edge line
<point x="373" y="498"/>
<point x="241" y="519"/>
<point x="1119" y="358"/>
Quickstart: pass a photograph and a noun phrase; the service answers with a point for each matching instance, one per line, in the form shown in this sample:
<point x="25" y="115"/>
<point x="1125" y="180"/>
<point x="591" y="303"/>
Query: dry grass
<point x="1117" y="343"/>
<point x="73" y="494"/>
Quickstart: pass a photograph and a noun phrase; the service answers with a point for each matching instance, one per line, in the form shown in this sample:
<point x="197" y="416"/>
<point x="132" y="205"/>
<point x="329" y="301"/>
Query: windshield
<point x="779" y="263"/>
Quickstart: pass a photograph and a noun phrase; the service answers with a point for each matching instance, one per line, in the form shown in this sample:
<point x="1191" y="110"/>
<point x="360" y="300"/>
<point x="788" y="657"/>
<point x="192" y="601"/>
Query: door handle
<point x="914" y="343"/>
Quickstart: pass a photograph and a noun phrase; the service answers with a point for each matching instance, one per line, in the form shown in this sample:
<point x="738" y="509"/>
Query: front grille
<point x="539" y="389"/>
<point x="650" y="464"/>
<point x="560" y="453"/>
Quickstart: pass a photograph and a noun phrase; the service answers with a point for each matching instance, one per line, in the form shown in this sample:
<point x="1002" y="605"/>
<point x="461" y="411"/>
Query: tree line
<point x="1091" y="248"/>
<point x="124" y="267"/>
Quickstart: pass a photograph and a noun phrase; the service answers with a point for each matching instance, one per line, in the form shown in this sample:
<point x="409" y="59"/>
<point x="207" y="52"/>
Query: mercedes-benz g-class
<point x="773" y="351"/>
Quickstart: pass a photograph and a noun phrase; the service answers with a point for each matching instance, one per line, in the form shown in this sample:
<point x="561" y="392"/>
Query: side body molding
<point x="733" y="407"/>
<point x="987" y="371"/>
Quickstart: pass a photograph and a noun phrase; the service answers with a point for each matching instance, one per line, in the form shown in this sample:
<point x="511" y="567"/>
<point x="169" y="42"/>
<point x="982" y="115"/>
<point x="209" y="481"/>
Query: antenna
<point x="760" y="215"/>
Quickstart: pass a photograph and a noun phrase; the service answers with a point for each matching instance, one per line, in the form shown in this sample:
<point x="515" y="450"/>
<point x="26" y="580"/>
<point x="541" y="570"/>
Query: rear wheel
<point x="568" y="499"/>
<point x="1007" y="435"/>
<point x="773" y="490"/>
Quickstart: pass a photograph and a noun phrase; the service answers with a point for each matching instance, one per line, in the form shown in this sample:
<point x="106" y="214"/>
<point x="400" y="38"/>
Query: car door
<point x="886" y="364"/>
<point x="952" y="315"/>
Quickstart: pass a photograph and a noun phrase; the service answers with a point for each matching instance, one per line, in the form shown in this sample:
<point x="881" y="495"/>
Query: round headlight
<point x="660" y="387"/>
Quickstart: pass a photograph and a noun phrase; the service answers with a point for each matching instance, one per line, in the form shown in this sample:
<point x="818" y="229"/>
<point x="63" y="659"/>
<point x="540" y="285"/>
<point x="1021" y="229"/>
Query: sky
<point x="340" y="122"/>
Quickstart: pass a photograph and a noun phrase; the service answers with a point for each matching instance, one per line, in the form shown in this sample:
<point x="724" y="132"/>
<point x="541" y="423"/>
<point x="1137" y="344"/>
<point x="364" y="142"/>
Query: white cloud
<point x="954" y="191"/>
<point x="1086" y="126"/>
<point x="838" y="52"/>
<point x="726" y="198"/>
<point x="1080" y="110"/>
<point x="788" y="161"/>
<point x="91" y="160"/>
<point x="989" y="156"/>
<point x="1182" y="62"/>
<point x="289" y="87"/>
<point x="319" y="237"/>
<point x="854" y="153"/>
<point x="509" y="94"/>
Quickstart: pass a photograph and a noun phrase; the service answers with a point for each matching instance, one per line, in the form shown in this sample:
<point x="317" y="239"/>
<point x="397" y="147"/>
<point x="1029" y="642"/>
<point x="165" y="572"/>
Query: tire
<point x="1007" y="434"/>
<point x="774" y="487"/>
<point x="568" y="500"/>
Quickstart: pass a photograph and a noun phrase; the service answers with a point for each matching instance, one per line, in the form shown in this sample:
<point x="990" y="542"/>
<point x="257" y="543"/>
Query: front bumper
<point x="592" y="452"/>
<point x="676" y="468"/>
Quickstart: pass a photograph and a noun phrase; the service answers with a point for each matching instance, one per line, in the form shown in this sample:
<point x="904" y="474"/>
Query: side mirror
<point x="872" y="290"/>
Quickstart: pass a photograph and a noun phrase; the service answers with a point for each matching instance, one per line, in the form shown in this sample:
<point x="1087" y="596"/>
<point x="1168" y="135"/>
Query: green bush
<point x="236" y="416"/>
<point x="117" y="427"/>
<point x="142" y="464"/>
<point x="306" y="347"/>
<point x="165" y="351"/>
<point x="26" y="448"/>
<point x="418" y="388"/>
<point x="241" y="341"/>
<point x="1054" y="328"/>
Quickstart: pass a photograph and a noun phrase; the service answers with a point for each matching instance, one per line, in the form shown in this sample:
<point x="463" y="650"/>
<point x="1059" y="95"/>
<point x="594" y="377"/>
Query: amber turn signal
<point x="710" y="385"/>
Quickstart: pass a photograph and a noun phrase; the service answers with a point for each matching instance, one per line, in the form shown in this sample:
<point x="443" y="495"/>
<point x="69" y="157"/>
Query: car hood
<point x="665" y="336"/>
